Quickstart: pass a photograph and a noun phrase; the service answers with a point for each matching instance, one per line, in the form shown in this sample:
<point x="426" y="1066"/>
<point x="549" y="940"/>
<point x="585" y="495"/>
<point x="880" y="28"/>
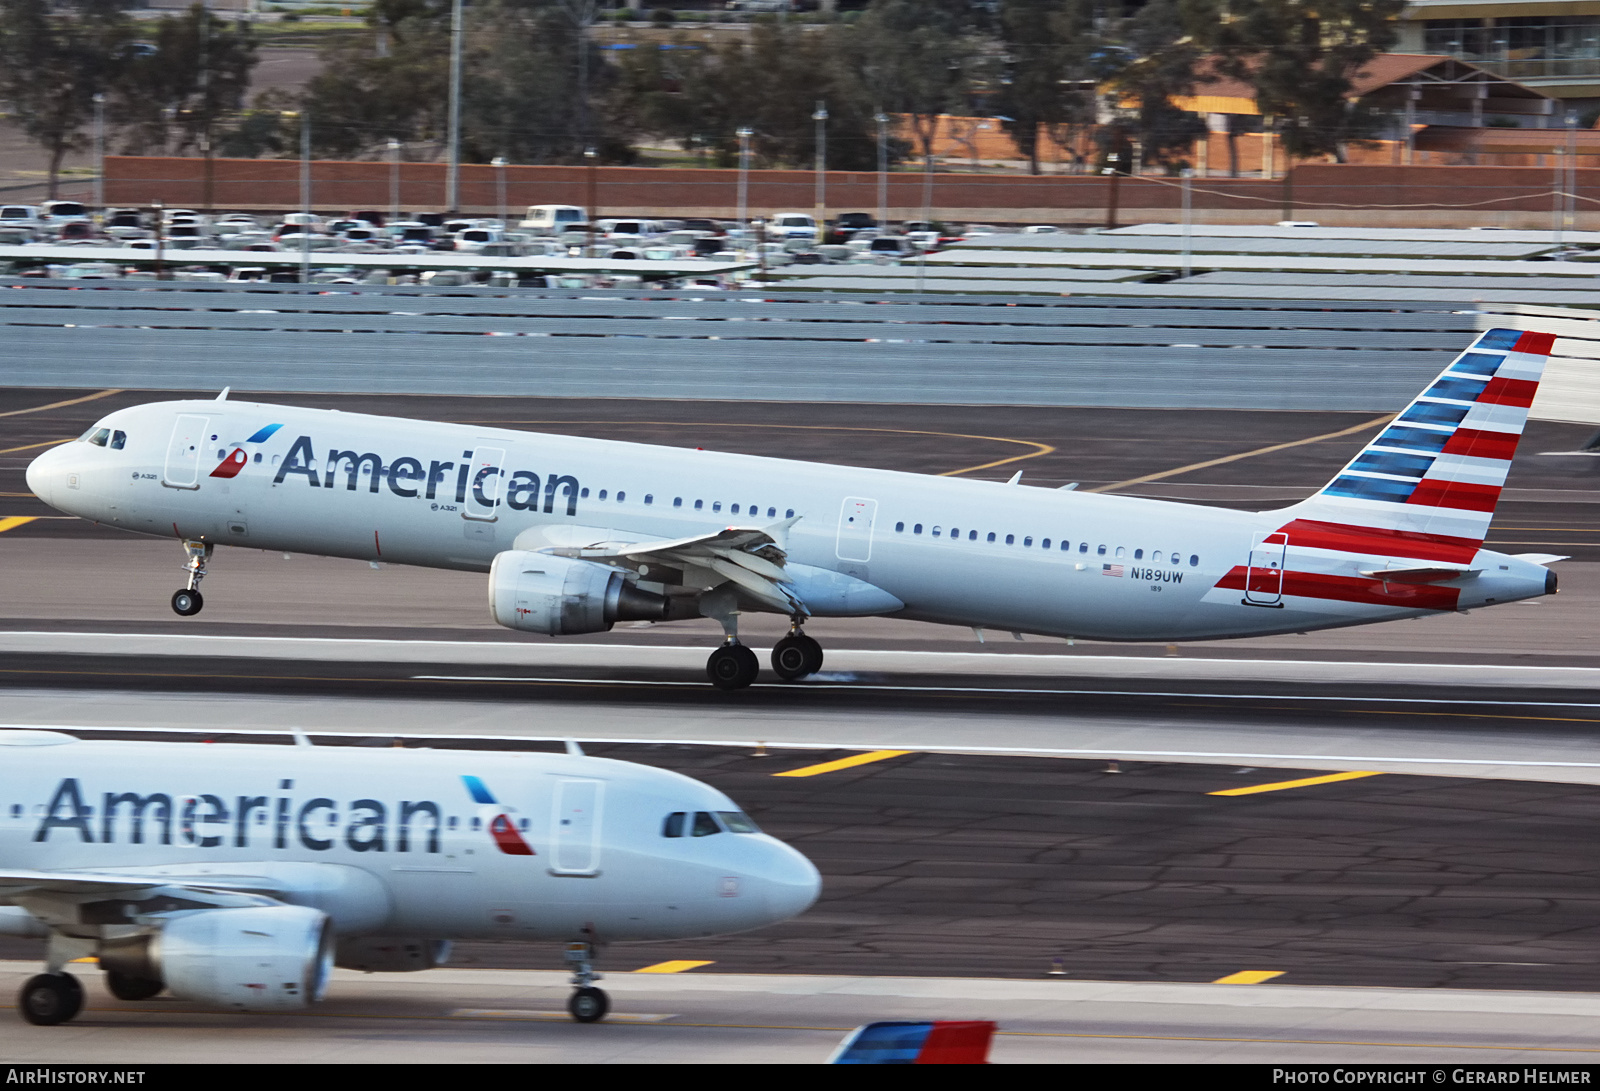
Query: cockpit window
<point x="738" y="822"/>
<point x="704" y="825"/>
<point x="97" y="436"/>
<point x="673" y="826"/>
<point x="119" y="439"/>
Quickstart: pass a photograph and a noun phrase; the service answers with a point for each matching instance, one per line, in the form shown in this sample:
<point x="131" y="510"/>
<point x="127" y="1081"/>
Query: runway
<point x="505" y="1016"/>
<point x="1052" y="801"/>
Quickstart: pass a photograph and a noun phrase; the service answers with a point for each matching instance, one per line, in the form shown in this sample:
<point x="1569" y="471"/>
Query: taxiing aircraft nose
<point x="789" y="882"/>
<point x="42" y="474"/>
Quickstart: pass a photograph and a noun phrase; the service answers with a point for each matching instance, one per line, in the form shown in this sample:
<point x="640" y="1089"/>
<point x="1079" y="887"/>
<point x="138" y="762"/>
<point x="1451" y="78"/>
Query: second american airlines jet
<point x="577" y="534"/>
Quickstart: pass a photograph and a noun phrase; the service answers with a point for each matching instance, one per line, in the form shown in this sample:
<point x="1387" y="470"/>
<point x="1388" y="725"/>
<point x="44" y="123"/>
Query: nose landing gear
<point x="587" y="1004"/>
<point x="188" y="601"/>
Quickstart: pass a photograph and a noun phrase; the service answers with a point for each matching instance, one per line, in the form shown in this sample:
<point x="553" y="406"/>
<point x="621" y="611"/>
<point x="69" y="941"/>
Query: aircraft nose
<point x="40" y="475"/>
<point x="790" y="883"/>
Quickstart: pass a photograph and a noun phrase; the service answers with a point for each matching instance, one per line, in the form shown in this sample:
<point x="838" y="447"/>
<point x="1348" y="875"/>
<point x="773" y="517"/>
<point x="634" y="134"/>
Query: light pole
<point x="589" y="157"/>
<point x="744" y="135"/>
<point x="394" y="180"/>
<point x="1571" y="201"/>
<point x="305" y="196"/>
<point x="452" y="182"/>
<point x="883" y="168"/>
<point x="820" y="116"/>
<point x="1187" y="175"/>
<point x="499" y="164"/>
<point x="100" y="155"/>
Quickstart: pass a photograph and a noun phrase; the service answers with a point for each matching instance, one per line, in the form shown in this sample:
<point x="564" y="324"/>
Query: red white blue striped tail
<point x="1430" y="481"/>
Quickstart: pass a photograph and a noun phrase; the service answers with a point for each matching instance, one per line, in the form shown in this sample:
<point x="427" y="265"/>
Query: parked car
<point x="792" y="225"/>
<point x="553" y="219"/>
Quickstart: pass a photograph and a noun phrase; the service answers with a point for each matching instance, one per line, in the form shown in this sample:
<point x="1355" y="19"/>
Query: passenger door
<point x="1263" y="579"/>
<point x="185" y="451"/>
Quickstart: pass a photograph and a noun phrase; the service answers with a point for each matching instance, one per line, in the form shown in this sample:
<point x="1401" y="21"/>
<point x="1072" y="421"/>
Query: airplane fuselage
<point x="977" y="553"/>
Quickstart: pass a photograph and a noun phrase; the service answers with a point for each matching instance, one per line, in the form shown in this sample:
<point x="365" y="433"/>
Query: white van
<point x="553" y="219"/>
<point x="792" y="225"/>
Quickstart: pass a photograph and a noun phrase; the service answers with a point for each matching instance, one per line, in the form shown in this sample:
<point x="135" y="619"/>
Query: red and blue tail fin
<point x="934" y="1042"/>
<point x="1432" y="478"/>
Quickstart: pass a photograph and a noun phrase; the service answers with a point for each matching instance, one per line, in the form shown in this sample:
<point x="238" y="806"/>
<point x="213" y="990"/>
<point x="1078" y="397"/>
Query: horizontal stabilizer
<point x="1432" y="574"/>
<point x="1541" y="558"/>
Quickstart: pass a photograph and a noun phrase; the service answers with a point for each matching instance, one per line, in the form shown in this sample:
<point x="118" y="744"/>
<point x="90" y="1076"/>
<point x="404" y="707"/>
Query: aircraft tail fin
<point x="1434" y="475"/>
<point x="932" y="1042"/>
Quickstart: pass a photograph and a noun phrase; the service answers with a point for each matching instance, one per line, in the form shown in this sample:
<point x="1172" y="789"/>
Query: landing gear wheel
<point x="589" y="1004"/>
<point x="49" y="999"/>
<point x="187" y="603"/>
<point x="124" y="987"/>
<point x="732" y="666"/>
<point x="796" y="656"/>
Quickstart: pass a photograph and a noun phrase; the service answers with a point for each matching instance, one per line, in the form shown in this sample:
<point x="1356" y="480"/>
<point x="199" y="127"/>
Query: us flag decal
<point x="1111" y="570"/>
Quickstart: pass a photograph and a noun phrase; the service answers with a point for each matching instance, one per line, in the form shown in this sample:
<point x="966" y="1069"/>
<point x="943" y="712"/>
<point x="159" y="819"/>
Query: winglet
<point x="224" y="395"/>
<point x="573" y="748"/>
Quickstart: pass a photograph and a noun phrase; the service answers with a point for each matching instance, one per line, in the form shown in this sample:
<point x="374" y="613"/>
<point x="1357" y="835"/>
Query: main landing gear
<point x="188" y="601"/>
<point x="734" y="666"/>
<point x="587" y="1003"/>
<point x="47" y="1000"/>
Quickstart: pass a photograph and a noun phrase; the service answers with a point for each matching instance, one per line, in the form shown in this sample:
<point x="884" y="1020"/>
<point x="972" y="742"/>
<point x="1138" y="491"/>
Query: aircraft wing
<point x="750" y="557"/>
<point x="18" y="885"/>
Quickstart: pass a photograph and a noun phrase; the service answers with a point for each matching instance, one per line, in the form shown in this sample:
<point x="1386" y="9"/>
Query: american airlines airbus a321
<point x="238" y="875"/>
<point x="576" y="534"/>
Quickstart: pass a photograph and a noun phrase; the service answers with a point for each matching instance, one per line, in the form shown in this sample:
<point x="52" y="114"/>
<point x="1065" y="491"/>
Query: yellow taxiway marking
<point x="1248" y="977"/>
<point x="11" y="522"/>
<point x="31" y="446"/>
<point x="1304" y="782"/>
<point x="674" y="966"/>
<point x="1385" y="419"/>
<point x="62" y="405"/>
<point x="1038" y="448"/>
<point x="843" y="763"/>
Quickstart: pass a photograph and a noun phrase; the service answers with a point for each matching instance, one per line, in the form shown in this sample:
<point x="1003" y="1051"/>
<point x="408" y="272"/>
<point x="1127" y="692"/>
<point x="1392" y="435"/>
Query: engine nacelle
<point x="267" y="958"/>
<point x="391" y="954"/>
<point x="560" y="596"/>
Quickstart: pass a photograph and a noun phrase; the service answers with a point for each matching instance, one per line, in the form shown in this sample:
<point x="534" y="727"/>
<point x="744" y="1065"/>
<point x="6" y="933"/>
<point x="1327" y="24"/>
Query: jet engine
<point x="560" y="596"/>
<point x="391" y="955"/>
<point x="266" y="958"/>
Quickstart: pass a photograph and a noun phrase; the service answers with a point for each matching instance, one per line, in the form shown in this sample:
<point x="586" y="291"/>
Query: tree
<point x="53" y="66"/>
<point x="1043" y="80"/>
<point x="918" y="57"/>
<point x="1163" y="68"/>
<point x="196" y="75"/>
<point x="1301" y="59"/>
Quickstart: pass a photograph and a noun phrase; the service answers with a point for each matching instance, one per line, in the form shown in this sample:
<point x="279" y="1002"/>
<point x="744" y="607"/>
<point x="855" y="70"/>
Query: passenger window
<point x="935" y="532"/>
<point x="716" y="505"/>
<point x="698" y="504"/>
<point x="1011" y="539"/>
<point x="649" y="498"/>
<point x="1083" y="547"/>
<point x="772" y="513"/>
<point x="1194" y="560"/>
<point x="991" y="536"/>
<point x="1045" y="543"/>
<point x="1138" y="554"/>
<point x="917" y="529"/>
<point x="677" y="501"/>
<point x="583" y="493"/>
<point x="1028" y="542"/>
<point x="1121" y="552"/>
<point x="1101" y="552"/>
<point x="899" y="528"/>
<point x="955" y="532"/>
<point x="673" y="826"/>
<point x="119" y="438"/>
<point x="972" y="536"/>
<point x="734" y="509"/>
<point x="621" y="496"/>
<point x="258" y="456"/>
<point x="789" y="514"/>
<point x="1174" y="558"/>
<point x="704" y="825"/>
<point x="602" y="494"/>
